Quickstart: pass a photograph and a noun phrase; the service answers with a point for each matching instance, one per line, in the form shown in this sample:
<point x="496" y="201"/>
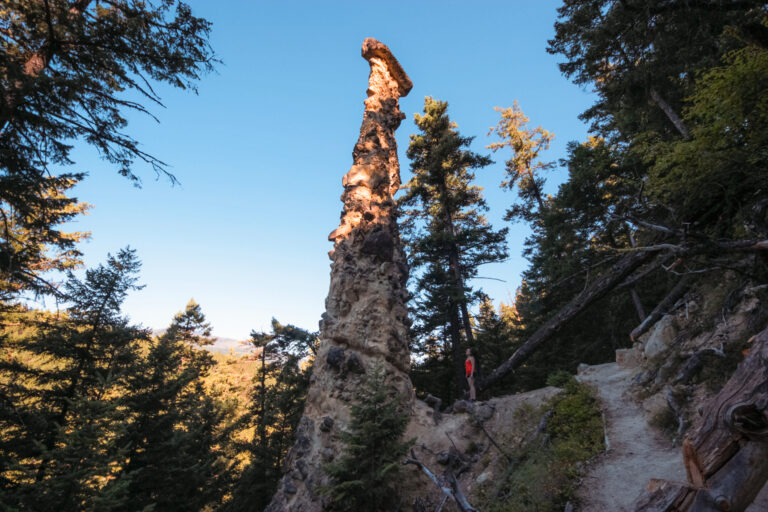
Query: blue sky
<point x="261" y="150"/>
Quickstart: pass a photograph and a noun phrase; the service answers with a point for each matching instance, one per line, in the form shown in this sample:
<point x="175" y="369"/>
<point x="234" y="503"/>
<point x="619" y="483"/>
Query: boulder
<point x="661" y="336"/>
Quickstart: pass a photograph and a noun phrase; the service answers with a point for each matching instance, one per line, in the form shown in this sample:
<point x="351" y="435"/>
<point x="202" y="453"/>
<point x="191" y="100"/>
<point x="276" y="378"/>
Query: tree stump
<point x="726" y="460"/>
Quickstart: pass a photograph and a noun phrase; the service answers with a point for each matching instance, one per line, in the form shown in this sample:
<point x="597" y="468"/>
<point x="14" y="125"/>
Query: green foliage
<point x="681" y="159"/>
<point x="173" y="462"/>
<point x="98" y="416"/>
<point x="714" y="179"/>
<point x="64" y="407"/>
<point x="627" y="49"/>
<point x="559" y="378"/>
<point x="496" y="335"/>
<point x="279" y="391"/>
<point x="65" y="69"/>
<point x="576" y="423"/>
<point x="524" y="167"/>
<point x="365" y="476"/>
<point x="448" y="238"/>
<point x="543" y="478"/>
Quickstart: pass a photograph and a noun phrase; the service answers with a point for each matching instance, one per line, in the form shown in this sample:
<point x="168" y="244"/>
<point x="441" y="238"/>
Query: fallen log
<point x="694" y="363"/>
<point x="726" y="460"/>
<point x="618" y="275"/>
<point x="661" y="309"/>
<point x="596" y="290"/>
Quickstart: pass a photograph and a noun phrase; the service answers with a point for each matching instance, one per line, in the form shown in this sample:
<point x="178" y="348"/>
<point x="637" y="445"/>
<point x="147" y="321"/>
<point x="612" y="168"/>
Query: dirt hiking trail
<point x="636" y="451"/>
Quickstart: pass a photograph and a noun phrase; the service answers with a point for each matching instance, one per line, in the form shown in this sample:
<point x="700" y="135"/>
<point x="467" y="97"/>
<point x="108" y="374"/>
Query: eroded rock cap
<point x="375" y="49"/>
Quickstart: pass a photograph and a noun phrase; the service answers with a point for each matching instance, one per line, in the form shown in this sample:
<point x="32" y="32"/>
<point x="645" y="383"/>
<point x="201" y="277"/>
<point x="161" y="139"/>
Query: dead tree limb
<point x="645" y="271"/>
<point x="618" y="274"/>
<point x="492" y="440"/>
<point x="452" y="490"/>
<point x="661" y="309"/>
<point x="596" y="290"/>
<point x="633" y="289"/>
<point x="458" y="495"/>
<point x="672" y="402"/>
<point x="694" y="363"/>
<point x="671" y="114"/>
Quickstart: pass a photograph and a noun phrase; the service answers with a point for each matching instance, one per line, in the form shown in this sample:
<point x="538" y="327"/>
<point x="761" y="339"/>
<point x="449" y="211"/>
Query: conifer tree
<point x="64" y="68"/>
<point x="524" y="168"/>
<point x="277" y="403"/>
<point x="365" y="476"/>
<point x="447" y="238"/>
<point x="173" y="463"/>
<point x="65" y="409"/>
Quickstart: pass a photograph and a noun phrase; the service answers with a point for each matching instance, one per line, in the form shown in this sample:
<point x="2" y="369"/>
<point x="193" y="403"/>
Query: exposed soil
<point x="636" y="451"/>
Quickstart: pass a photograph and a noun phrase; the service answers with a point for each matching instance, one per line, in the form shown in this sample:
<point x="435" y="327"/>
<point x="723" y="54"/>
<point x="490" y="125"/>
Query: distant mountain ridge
<point x="221" y="345"/>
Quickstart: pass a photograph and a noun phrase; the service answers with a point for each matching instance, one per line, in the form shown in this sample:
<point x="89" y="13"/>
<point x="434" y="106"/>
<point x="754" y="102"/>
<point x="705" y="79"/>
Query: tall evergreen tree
<point x="173" y="462"/>
<point x="643" y="56"/>
<point x="365" y="476"/>
<point x="65" y="409"/>
<point x="448" y="239"/>
<point x="524" y="169"/>
<point x="679" y="162"/>
<point x="277" y="403"/>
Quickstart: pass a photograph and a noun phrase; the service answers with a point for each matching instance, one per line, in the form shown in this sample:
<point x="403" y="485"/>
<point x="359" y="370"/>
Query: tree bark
<point x="596" y="290"/>
<point x="457" y="357"/>
<point x="633" y="290"/>
<point x="726" y="460"/>
<point x="671" y="114"/>
<point x="661" y="309"/>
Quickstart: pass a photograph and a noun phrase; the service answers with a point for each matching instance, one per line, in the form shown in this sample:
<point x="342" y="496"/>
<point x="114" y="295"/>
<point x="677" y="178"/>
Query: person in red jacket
<point x="470" y="367"/>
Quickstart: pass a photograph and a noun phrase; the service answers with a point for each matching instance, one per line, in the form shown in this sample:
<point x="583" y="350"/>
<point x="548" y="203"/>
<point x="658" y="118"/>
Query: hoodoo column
<point x="366" y="320"/>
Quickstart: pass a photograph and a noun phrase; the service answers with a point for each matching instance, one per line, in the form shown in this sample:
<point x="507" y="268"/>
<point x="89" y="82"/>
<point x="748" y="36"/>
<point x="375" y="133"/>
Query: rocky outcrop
<point x="366" y="319"/>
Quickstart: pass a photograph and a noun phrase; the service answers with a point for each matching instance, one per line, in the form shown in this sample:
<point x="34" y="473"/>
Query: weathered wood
<point x="671" y="114"/>
<point x="693" y="469"/>
<point x="723" y="434"/>
<point x="665" y="496"/>
<point x="726" y="460"/>
<point x="661" y="309"/>
<point x="694" y="363"/>
<point x="596" y="290"/>
<point x="737" y="483"/>
<point x="452" y="490"/>
<point x="675" y="409"/>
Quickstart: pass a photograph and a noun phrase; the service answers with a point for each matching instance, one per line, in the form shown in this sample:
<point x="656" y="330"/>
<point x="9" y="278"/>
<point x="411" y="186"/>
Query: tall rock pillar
<point x="366" y="318"/>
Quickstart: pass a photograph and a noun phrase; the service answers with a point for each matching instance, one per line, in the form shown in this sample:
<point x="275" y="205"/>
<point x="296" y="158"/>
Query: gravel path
<point x="636" y="451"/>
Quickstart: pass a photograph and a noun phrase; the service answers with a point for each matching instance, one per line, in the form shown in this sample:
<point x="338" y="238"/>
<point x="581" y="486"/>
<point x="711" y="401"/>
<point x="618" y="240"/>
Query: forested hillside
<point x="668" y="195"/>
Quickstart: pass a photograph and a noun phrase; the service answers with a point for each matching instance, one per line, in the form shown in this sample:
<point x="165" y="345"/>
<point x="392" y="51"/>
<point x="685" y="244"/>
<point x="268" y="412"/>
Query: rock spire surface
<point x="366" y="320"/>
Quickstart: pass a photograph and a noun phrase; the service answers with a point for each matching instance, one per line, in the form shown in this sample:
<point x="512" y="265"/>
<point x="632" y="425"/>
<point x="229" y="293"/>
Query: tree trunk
<point x="459" y="383"/>
<point x="680" y="288"/>
<point x="671" y="114"/>
<point x="726" y="460"/>
<point x="458" y="279"/>
<point x="596" y="290"/>
<point x="633" y="290"/>
<point x="638" y="304"/>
